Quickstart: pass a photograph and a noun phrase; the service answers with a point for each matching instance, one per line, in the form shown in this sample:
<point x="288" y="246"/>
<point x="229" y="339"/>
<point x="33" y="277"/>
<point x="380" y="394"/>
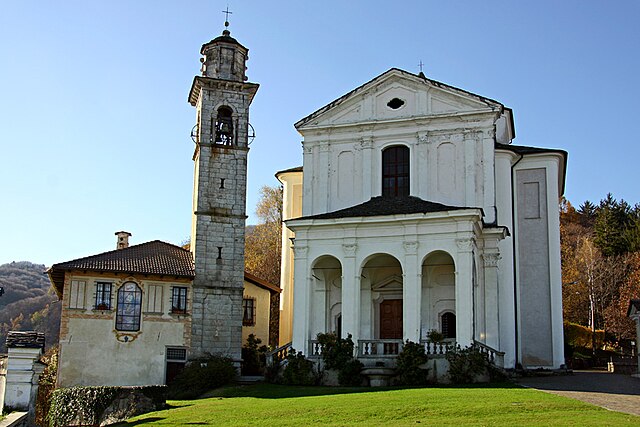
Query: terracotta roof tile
<point x="153" y="257"/>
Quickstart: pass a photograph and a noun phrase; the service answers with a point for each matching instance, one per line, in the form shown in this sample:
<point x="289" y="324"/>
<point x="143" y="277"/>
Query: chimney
<point x="123" y="239"/>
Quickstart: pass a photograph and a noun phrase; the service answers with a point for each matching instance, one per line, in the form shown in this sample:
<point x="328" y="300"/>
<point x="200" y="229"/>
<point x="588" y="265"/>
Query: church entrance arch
<point x="326" y="295"/>
<point x="381" y="298"/>
<point x="438" y="305"/>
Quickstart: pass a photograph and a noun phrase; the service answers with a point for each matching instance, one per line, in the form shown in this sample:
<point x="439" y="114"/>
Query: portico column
<point x="301" y="288"/>
<point x="411" y="293"/>
<point x="492" y="319"/>
<point x="464" y="292"/>
<point x="350" y="293"/>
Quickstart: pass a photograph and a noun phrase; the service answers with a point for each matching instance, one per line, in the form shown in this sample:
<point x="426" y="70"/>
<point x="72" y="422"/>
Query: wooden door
<point x="391" y="319"/>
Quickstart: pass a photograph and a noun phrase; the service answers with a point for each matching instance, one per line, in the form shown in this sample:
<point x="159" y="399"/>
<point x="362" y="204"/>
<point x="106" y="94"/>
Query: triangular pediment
<point x="396" y="94"/>
<point x="389" y="283"/>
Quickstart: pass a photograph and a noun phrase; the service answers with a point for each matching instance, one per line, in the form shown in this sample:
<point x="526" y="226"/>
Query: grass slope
<point x="273" y="405"/>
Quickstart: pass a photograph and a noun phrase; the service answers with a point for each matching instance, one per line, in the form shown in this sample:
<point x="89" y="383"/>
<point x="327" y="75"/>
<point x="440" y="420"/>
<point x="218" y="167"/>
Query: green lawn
<point x="273" y="405"/>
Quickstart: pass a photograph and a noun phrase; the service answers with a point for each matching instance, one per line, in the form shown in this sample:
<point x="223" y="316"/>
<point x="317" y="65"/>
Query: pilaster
<point x="411" y="293"/>
<point x="350" y="293"/>
<point x="464" y="291"/>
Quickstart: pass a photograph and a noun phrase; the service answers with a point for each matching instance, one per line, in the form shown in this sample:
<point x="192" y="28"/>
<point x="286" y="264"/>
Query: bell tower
<point x="222" y="98"/>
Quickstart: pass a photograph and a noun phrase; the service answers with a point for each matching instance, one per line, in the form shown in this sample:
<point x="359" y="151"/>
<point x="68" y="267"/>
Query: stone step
<point x="250" y="379"/>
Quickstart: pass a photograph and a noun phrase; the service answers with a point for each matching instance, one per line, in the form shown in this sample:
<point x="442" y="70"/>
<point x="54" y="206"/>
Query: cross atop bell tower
<point x="224" y="58"/>
<point x="222" y="97"/>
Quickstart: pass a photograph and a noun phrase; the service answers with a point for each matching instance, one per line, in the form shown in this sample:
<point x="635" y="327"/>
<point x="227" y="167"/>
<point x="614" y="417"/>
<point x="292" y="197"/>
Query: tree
<point x="263" y="245"/>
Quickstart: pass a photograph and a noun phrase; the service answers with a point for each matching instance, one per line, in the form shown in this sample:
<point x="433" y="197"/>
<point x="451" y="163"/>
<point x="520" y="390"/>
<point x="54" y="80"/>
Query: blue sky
<point x="94" y="119"/>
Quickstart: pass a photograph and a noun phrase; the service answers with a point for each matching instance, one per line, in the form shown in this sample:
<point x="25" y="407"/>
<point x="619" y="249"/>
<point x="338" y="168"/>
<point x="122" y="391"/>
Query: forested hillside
<point x="27" y="303"/>
<point x="601" y="264"/>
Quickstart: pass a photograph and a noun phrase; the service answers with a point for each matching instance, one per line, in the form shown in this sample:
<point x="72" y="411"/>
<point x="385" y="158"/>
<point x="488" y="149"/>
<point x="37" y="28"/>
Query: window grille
<point x="129" y="304"/>
<point x="179" y="300"/>
<point x="448" y="321"/>
<point x="248" y="311"/>
<point x="176" y="354"/>
<point x="103" y="296"/>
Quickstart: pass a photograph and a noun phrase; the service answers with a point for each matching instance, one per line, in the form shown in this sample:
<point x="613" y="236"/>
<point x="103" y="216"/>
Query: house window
<point x="178" y="300"/>
<point x="128" y="311"/>
<point x="448" y="322"/>
<point x="248" y="311"/>
<point x="76" y="293"/>
<point x="103" y="296"/>
<point x="154" y="299"/>
<point x="395" y="171"/>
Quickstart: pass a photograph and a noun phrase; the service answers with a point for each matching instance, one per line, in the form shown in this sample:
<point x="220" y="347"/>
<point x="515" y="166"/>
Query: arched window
<point x="128" y="311"/>
<point x="223" y="127"/>
<point x="448" y="322"/>
<point x="395" y="171"/>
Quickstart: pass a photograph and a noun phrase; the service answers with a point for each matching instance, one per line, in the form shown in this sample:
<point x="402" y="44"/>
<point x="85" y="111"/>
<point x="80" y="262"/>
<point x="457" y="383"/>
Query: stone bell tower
<point x="222" y="98"/>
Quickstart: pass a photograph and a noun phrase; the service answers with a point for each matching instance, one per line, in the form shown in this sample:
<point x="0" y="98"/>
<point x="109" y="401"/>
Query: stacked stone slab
<point x="219" y="199"/>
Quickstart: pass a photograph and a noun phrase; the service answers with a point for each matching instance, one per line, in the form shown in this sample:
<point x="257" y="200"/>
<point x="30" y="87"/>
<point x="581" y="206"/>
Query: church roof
<point x="380" y="206"/>
<point x="416" y="77"/>
<point x="634" y="305"/>
<point x="155" y="257"/>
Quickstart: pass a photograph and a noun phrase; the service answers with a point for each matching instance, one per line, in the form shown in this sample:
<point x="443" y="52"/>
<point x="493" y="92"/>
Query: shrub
<point x="408" y="364"/>
<point x="466" y="364"/>
<point x="202" y="375"/>
<point x="87" y="405"/>
<point x="253" y="356"/>
<point x="435" y="336"/>
<point x="335" y="351"/>
<point x="349" y="374"/>
<point x="299" y="370"/>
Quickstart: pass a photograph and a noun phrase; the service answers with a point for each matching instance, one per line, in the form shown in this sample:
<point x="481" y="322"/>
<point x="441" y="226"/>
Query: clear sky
<point x="94" y="119"/>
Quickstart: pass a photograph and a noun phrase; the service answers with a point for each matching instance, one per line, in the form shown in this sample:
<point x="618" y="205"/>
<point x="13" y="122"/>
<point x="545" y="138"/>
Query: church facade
<point x="413" y="212"/>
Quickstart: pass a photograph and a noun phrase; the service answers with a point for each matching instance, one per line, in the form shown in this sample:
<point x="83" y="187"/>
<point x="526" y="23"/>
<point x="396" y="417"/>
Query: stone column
<point x="301" y="289"/>
<point x="350" y="293"/>
<point x="492" y="319"/>
<point x="411" y="293"/>
<point x="464" y="291"/>
<point x="21" y="376"/>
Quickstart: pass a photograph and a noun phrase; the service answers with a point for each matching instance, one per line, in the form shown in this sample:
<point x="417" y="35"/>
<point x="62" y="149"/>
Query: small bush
<point x="349" y="374"/>
<point x="466" y="364"/>
<point x="435" y="336"/>
<point x="201" y="376"/>
<point x="253" y="356"/>
<point x="408" y="364"/>
<point x="299" y="370"/>
<point x="335" y="351"/>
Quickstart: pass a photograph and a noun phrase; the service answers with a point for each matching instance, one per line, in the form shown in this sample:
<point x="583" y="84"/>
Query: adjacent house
<point x="412" y="212"/>
<point x="127" y="314"/>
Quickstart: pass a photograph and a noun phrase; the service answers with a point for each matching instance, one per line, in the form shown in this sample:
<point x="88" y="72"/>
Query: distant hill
<point x="27" y="303"/>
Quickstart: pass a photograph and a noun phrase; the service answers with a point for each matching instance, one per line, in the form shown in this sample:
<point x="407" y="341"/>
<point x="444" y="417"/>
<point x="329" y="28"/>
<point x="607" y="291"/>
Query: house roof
<point x="155" y="257"/>
<point x="634" y="305"/>
<point x="296" y="169"/>
<point x="380" y="206"/>
<point x="417" y="77"/>
<point x="261" y="283"/>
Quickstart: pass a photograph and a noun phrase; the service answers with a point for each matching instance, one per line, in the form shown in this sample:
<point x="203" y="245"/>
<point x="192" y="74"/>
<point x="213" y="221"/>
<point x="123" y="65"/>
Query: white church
<point x="413" y="212"/>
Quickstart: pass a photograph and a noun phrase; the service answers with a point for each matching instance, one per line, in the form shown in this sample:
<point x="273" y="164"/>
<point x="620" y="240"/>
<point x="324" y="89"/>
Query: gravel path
<point x="611" y="391"/>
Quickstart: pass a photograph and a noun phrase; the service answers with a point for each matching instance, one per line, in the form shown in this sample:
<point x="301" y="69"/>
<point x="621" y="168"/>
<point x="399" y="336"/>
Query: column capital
<point x="491" y="259"/>
<point x="349" y="249"/>
<point x="300" y="251"/>
<point x="411" y="247"/>
<point x="465" y="244"/>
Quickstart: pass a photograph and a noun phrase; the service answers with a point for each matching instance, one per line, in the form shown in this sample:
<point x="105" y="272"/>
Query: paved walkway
<point x="611" y="391"/>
